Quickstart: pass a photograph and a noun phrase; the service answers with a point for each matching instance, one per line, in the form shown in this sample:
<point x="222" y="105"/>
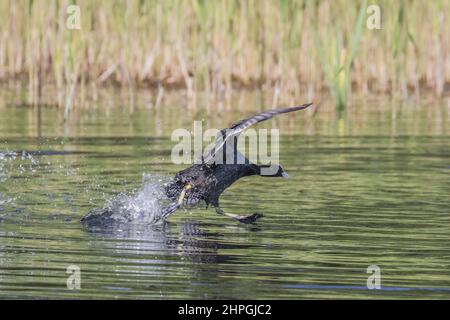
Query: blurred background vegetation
<point x="295" y="49"/>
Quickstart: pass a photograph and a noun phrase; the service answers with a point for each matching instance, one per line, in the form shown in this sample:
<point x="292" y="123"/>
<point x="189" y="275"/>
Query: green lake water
<point x="369" y="188"/>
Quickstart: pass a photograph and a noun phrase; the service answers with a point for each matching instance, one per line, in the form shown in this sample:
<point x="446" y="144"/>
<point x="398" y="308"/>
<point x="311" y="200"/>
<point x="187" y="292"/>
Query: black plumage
<point x="207" y="181"/>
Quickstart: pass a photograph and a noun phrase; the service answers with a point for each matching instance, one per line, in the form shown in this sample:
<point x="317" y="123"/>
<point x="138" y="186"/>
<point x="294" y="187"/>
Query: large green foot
<point x="243" y="219"/>
<point x="167" y="211"/>
<point x="249" y="219"/>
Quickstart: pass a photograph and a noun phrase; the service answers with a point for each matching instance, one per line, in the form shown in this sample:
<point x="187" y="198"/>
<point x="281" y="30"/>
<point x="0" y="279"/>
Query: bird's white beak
<point x="285" y="175"/>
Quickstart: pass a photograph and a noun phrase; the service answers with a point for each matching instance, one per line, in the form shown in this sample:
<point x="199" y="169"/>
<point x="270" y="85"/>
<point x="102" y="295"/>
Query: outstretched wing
<point x="237" y="128"/>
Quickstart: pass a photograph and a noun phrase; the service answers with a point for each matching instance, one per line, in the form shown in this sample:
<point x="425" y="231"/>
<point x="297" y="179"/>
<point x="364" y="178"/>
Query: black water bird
<point x="207" y="180"/>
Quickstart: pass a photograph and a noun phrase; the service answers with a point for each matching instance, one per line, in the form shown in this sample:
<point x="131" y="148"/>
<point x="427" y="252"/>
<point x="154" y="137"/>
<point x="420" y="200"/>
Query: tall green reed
<point x="337" y="51"/>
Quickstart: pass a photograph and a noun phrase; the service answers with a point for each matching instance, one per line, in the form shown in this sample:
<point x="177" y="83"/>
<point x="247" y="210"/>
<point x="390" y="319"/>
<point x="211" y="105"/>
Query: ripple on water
<point x="351" y="202"/>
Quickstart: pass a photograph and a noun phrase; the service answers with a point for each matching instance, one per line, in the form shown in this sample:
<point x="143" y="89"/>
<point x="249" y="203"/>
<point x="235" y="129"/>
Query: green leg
<point x="167" y="211"/>
<point x="243" y="219"/>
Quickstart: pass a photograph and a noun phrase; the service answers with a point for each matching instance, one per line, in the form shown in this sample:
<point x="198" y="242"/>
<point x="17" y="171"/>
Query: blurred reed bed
<point x="293" y="49"/>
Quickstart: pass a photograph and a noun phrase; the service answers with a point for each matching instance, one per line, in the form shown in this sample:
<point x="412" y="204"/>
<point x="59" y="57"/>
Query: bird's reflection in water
<point x="200" y="246"/>
<point x="165" y="260"/>
<point x="163" y="243"/>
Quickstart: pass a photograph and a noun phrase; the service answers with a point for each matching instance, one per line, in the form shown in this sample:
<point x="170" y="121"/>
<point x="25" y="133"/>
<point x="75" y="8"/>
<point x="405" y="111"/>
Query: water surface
<point x="370" y="188"/>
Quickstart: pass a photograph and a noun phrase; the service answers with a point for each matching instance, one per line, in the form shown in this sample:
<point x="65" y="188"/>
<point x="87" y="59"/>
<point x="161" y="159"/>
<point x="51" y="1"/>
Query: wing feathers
<point x="243" y="124"/>
<point x="266" y="115"/>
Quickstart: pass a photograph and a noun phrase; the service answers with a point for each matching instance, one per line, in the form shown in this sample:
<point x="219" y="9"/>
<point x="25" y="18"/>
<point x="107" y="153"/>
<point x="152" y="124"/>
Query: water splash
<point x="25" y="163"/>
<point x="13" y="164"/>
<point x="141" y="207"/>
<point x="5" y="204"/>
